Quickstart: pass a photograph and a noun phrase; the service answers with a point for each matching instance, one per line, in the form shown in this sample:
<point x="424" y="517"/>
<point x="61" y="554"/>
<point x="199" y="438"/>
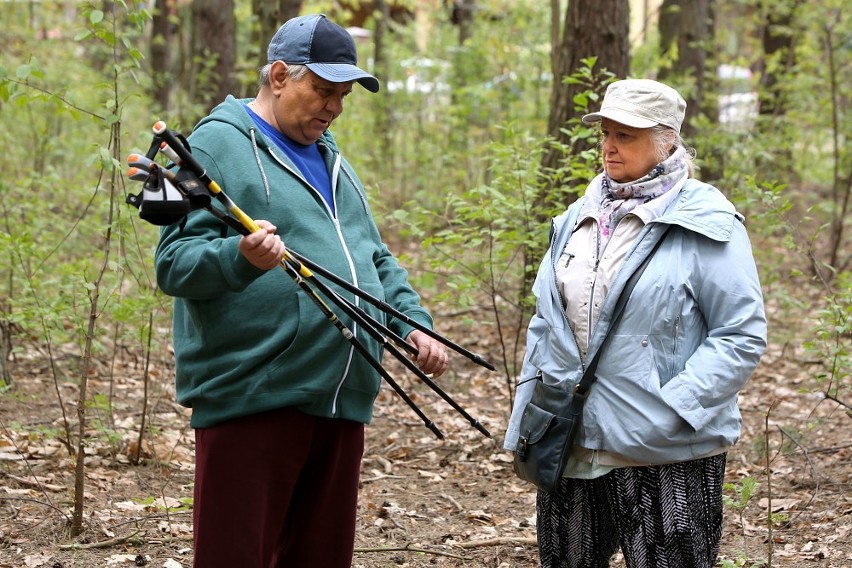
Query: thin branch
<point x="522" y="540"/>
<point x="814" y="475"/>
<point x="31" y="500"/>
<point x="407" y="548"/>
<point x="60" y="98"/>
<point x="100" y="544"/>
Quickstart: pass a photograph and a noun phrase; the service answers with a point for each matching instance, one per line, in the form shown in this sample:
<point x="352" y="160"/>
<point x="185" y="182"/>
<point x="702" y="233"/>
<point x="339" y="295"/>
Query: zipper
<point x="335" y="176"/>
<point x="674" y="343"/>
<point x="555" y="239"/>
<point x="598" y="253"/>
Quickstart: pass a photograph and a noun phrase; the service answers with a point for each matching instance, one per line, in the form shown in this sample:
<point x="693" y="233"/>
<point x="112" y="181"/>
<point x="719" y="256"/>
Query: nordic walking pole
<point x="140" y="164"/>
<point x="375" y="329"/>
<point x="178" y="150"/>
<point x="369" y="326"/>
<point x="179" y="154"/>
<point x="391" y="310"/>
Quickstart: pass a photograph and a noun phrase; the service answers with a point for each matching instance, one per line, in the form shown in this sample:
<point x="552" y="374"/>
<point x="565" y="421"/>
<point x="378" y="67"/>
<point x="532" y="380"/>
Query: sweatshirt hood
<point x="231" y="111"/>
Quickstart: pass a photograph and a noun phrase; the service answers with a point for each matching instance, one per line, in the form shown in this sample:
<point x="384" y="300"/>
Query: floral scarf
<point x="619" y="199"/>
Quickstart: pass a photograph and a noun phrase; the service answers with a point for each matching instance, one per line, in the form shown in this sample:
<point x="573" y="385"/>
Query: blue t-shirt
<point x="307" y="158"/>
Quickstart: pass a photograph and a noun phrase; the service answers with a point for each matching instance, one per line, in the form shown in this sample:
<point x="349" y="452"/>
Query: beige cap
<point x="641" y="103"/>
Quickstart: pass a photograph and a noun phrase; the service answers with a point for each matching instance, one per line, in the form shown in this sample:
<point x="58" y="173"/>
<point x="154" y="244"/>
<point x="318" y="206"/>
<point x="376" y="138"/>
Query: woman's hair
<point x="296" y="73"/>
<point x="666" y="141"/>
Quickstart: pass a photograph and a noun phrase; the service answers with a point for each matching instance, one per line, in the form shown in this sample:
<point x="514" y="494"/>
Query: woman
<point x="648" y="462"/>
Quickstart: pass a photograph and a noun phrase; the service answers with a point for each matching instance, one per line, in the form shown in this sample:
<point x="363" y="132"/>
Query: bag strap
<point x="588" y="378"/>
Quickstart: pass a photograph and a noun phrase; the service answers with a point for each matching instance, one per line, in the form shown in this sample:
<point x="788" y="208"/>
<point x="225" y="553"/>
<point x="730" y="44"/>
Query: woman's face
<point x="628" y="153"/>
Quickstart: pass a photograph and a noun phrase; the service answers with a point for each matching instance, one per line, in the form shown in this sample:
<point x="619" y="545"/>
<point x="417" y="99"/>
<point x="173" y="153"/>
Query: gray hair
<point x="296" y="72"/>
<point x="666" y="141"/>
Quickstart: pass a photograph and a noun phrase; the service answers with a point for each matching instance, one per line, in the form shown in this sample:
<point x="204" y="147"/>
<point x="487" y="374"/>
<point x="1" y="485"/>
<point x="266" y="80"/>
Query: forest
<point x="472" y="145"/>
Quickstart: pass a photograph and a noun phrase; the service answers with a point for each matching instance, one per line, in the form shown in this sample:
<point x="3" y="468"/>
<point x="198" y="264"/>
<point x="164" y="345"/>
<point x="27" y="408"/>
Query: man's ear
<point x="278" y="74"/>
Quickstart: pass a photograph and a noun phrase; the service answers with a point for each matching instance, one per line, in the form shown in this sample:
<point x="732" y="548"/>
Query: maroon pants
<point x="277" y="489"/>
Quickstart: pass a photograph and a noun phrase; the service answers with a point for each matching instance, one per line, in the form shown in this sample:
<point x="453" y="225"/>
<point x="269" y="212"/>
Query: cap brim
<point x="343" y="72"/>
<point x="621" y="117"/>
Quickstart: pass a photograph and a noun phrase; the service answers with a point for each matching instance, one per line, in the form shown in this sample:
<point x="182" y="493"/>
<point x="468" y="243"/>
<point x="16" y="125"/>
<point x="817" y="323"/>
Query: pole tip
<point x="482" y="429"/>
<point x="159" y="127"/>
<point x="438" y="434"/>
<point x="479" y="360"/>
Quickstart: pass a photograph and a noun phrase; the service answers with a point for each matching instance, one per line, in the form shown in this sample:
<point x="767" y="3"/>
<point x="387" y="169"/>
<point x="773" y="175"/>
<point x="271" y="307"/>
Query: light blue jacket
<point x="690" y="336"/>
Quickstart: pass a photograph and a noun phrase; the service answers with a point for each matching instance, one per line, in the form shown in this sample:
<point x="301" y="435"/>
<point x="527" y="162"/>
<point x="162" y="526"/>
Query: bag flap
<point x="555" y="398"/>
<point x="535" y="423"/>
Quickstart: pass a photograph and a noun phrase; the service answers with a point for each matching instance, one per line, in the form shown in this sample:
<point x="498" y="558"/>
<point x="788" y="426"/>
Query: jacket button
<point x="644" y="343"/>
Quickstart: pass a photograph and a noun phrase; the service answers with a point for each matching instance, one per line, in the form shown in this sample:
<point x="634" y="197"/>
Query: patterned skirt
<point x="662" y="516"/>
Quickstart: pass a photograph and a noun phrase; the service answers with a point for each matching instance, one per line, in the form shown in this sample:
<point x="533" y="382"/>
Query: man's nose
<point x="335" y="104"/>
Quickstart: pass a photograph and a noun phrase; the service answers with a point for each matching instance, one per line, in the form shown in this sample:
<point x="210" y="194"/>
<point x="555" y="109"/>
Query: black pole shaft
<point x="332" y="317"/>
<point x="384" y="306"/>
<point x="189" y="160"/>
<point x="373" y="328"/>
<point x="350" y="337"/>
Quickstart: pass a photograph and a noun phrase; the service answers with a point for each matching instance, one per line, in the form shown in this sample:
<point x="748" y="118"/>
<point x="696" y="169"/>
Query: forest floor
<point x="423" y="501"/>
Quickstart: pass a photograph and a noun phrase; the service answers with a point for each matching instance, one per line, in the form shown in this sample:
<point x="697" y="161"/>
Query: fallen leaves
<point x="423" y="501"/>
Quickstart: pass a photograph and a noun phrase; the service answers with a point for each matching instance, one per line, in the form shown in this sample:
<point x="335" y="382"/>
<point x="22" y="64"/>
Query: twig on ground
<point x="453" y="501"/>
<point x="100" y="544"/>
<point x="34" y="483"/>
<point x="408" y="548"/>
<point x="827" y="450"/>
<point x="498" y="541"/>
<point x="49" y="505"/>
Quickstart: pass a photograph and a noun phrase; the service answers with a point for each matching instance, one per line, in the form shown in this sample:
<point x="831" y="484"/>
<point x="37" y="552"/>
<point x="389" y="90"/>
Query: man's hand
<point x="263" y="248"/>
<point x="432" y="357"/>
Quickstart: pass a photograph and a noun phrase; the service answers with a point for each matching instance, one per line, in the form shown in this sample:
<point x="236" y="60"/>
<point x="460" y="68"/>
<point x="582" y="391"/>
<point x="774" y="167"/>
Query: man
<point x="279" y="398"/>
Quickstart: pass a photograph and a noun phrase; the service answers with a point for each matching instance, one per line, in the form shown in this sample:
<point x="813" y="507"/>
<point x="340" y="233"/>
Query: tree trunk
<point x="161" y="49"/>
<point x="685" y="27"/>
<point x="270" y="16"/>
<point x="213" y="50"/>
<point x="778" y="40"/>
<point x="779" y="58"/>
<point x="382" y="72"/>
<point x="463" y="16"/>
<point x="592" y="28"/>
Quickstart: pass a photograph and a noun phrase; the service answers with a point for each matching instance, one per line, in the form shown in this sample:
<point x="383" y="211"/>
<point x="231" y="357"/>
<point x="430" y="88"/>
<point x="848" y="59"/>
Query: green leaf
<point x="96" y="17"/>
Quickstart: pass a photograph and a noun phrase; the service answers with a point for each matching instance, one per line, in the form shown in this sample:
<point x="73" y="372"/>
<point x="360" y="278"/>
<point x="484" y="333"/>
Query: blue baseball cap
<point x="323" y="47"/>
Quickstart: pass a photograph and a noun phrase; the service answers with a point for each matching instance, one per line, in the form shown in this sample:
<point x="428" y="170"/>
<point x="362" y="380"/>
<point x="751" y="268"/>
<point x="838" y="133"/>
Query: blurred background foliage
<point x="458" y="151"/>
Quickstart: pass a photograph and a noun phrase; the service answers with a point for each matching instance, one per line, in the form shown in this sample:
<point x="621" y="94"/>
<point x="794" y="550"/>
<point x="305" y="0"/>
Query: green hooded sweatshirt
<point x="248" y="340"/>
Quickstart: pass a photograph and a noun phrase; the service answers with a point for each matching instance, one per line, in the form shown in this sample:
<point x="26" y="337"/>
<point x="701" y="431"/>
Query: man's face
<point x="304" y="109"/>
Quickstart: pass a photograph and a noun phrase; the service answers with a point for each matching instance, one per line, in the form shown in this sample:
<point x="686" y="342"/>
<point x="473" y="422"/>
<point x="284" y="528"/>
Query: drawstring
<point x="259" y="165"/>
